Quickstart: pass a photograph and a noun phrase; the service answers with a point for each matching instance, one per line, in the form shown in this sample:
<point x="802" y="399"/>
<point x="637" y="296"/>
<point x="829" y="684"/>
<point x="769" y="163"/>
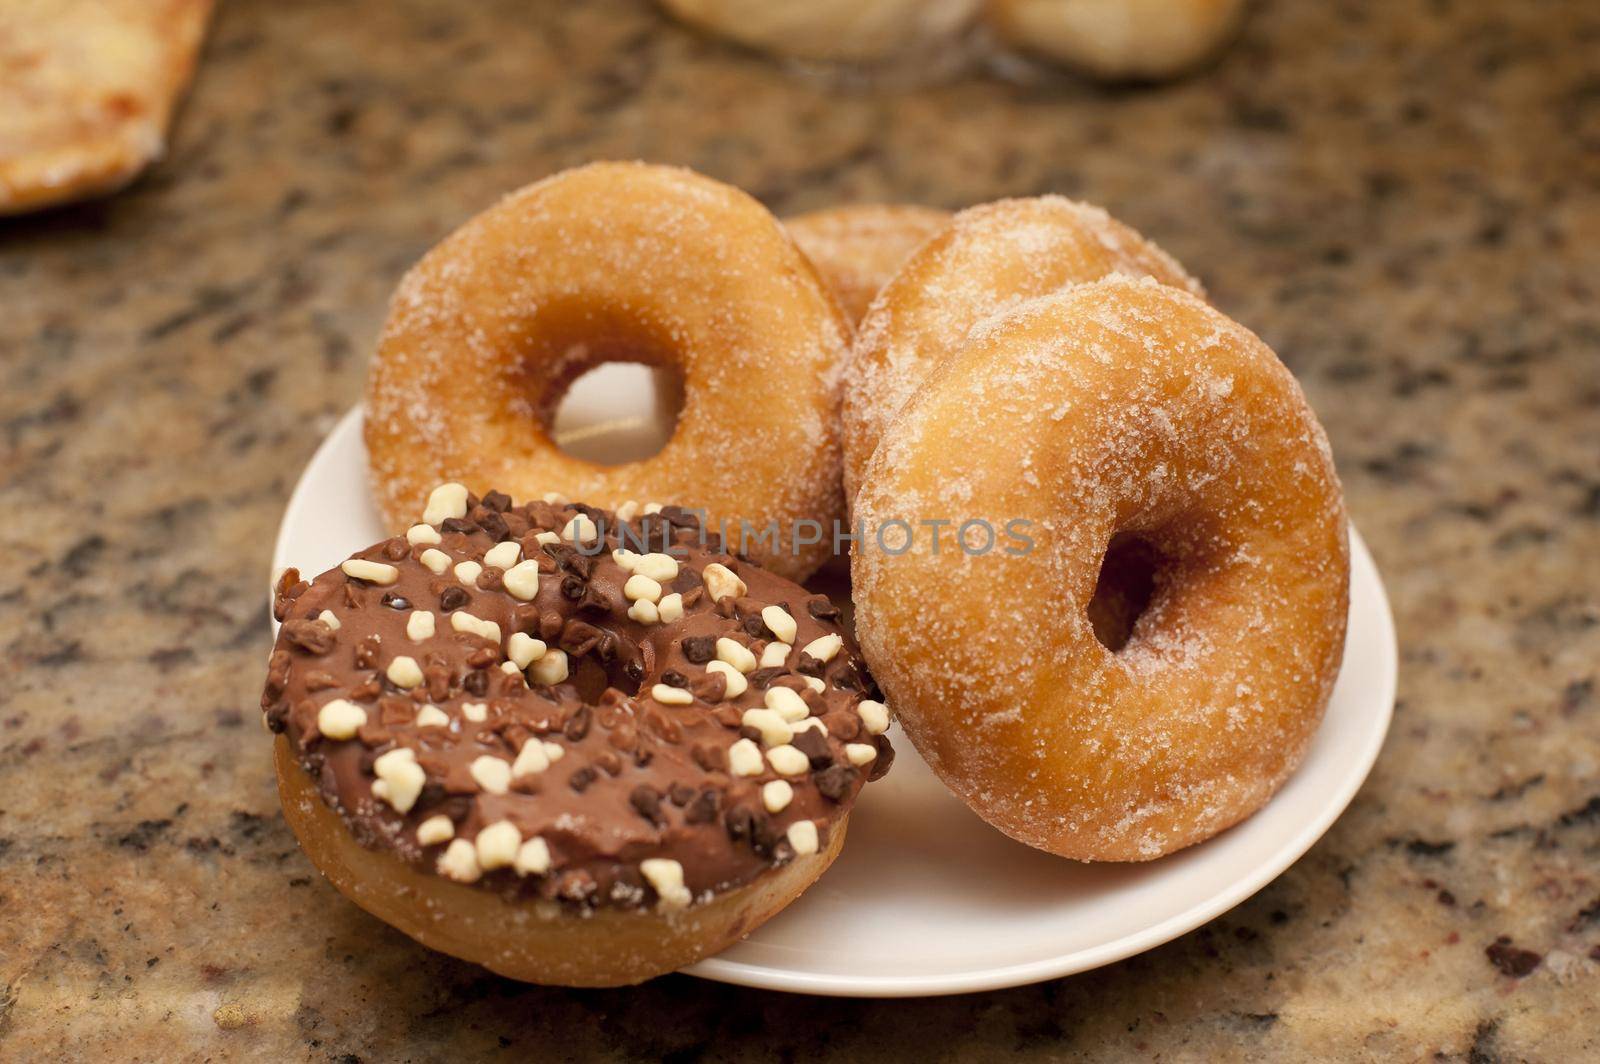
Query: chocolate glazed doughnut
<point x="572" y="749"/>
<point x="606" y="263"/>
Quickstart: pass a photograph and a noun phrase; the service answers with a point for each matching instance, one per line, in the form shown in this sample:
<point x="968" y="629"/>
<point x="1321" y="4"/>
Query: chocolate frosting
<point x="629" y="777"/>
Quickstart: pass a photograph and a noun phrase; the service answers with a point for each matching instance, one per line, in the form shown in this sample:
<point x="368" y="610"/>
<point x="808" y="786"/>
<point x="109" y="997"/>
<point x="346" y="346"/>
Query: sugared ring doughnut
<point x="990" y="258"/>
<point x="1126" y="421"/>
<point x="617" y="262"/>
<point x="858" y="248"/>
<point x="571" y="749"/>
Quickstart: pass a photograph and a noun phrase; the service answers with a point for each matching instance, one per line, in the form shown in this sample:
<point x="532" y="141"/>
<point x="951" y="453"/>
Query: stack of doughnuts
<point x="575" y="723"/>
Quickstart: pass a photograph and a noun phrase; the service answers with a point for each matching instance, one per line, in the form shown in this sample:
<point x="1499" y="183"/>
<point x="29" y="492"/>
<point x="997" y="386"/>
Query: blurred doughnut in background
<point x="850" y="31"/>
<point x="1118" y="40"/>
<point x="1108" y="40"/>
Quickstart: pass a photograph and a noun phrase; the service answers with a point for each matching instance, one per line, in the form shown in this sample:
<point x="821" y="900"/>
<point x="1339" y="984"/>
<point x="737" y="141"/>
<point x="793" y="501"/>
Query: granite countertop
<point x="1402" y="198"/>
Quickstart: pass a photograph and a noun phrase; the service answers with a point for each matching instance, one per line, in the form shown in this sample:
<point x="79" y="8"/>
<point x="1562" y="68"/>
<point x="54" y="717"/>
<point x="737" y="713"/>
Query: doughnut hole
<point x="616" y="391"/>
<point x="1127" y="582"/>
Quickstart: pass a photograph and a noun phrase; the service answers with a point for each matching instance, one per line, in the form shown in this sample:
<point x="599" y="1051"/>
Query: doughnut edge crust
<point x="608" y="262"/>
<point x="532" y="941"/>
<point x="1115" y="407"/>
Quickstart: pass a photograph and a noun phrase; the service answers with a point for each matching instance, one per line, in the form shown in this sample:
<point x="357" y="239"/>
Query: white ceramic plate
<point x="927" y="898"/>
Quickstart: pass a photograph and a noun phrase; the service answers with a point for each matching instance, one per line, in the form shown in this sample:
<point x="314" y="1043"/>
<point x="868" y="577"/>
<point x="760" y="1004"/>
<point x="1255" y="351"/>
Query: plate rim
<point x="767" y="977"/>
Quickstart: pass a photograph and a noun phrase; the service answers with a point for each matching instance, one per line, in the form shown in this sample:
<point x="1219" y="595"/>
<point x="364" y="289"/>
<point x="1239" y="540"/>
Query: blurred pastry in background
<point x="1118" y="40"/>
<point x="850" y="31"/>
<point x="88" y="90"/>
<point x="858" y="248"/>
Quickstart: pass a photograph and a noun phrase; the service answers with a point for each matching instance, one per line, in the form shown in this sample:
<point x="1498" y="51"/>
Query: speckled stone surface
<point x="1402" y="198"/>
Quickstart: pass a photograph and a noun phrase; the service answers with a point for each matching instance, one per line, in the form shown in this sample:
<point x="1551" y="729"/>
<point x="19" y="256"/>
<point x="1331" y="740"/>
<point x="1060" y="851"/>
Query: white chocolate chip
<point x="721" y="582"/>
<point x="503" y="555"/>
<point x="444" y="502"/>
<point x="775" y="656"/>
<point x="625" y="559"/>
<point x="551" y="669"/>
<point x="874" y="716"/>
<point x="492" y="774"/>
<point x="422" y="535"/>
<point x="460" y="862"/>
<point x="554" y="751"/>
<point x="859" y="753"/>
<point x="434" y="830"/>
<point x="810" y="722"/>
<point x="657" y="566"/>
<point x="824" y="647"/>
<point x="400" y="778"/>
<point x="628" y="511"/>
<point x="788" y="705"/>
<point x="432" y="717"/>
<point x="419" y="626"/>
<point x="533" y="859"/>
<point x="436" y="560"/>
<point x="327" y="618"/>
<point x="652" y="507"/>
<point x="522" y="580"/>
<point x="787" y="761"/>
<point x="543" y="538"/>
<point x="775" y="731"/>
<point x="666" y="876"/>
<point x="644" y="612"/>
<point x="554" y="498"/>
<point x="744" y="758"/>
<point x="524" y="650"/>
<point x="476" y="712"/>
<point x="736" y="683"/>
<point x="530" y="759"/>
<point x="404" y="673"/>
<point x="735" y="654"/>
<point x="580" y="530"/>
<point x="468" y="572"/>
<point x="510" y="669"/>
<point x="497" y="845"/>
<point x="462" y="621"/>
<point x="802" y="835"/>
<point x="778" y="621"/>
<point x="372" y="572"/>
<point x="340" y="719"/>
<point x="668" y="695"/>
<point x="815" y="684"/>
<point x="641" y="587"/>
<point x="670" y="608"/>
<point x="777" y="795"/>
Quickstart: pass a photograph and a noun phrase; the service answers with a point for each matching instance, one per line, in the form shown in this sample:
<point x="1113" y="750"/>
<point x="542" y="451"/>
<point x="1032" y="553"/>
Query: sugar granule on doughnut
<point x="616" y="262"/>
<point x="1145" y="661"/>
<point x="990" y="258"/>
<point x="571" y="748"/>
<point x="857" y="248"/>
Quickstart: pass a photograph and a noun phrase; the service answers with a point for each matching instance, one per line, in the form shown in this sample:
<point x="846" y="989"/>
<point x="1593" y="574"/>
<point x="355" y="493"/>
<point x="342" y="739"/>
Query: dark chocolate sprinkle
<point x="836" y="781"/>
<point x="647" y="803"/>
